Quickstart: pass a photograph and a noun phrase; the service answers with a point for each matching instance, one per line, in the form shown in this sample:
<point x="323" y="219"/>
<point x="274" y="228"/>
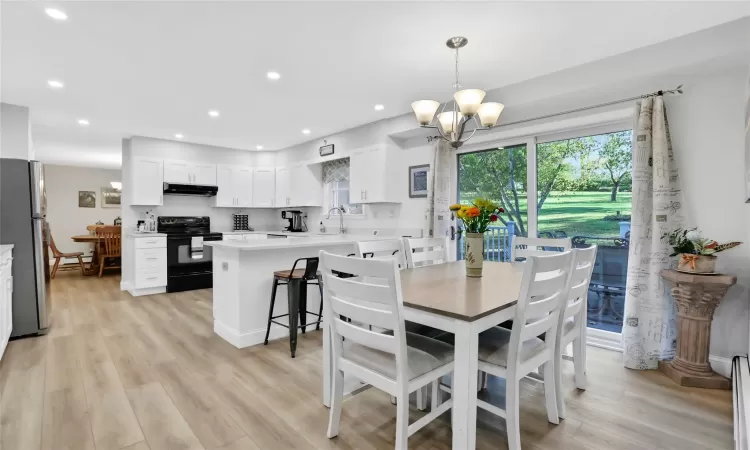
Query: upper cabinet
<point x="185" y="172"/>
<point x="264" y="188"/>
<point x="306" y="187"/>
<point x="371" y="177"/>
<point x="283" y="195"/>
<point x="147" y="180"/>
<point x="235" y="186"/>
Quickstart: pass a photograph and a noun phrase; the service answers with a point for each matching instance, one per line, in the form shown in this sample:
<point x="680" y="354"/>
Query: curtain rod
<point x="675" y="91"/>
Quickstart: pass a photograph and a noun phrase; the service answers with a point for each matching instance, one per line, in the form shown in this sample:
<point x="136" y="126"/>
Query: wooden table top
<point x="85" y="238"/>
<point x="445" y="289"/>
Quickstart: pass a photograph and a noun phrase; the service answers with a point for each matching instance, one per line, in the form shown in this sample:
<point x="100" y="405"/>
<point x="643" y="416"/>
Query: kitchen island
<point x="243" y="275"/>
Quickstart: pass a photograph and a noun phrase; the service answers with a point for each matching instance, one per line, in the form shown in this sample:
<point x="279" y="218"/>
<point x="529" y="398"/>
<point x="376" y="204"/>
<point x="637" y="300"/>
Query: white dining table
<point x="443" y="297"/>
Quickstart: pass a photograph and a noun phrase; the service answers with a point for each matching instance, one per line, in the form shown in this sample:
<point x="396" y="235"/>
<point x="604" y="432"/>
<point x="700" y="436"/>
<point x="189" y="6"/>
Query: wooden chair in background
<point x="59" y="256"/>
<point x="110" y="243"/>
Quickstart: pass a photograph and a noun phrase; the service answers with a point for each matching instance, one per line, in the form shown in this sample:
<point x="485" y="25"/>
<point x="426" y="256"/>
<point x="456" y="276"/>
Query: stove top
<point x="185" y="226"/>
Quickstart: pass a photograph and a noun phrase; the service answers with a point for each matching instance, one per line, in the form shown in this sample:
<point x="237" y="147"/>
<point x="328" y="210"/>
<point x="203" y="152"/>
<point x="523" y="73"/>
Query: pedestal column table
<point x="696" y="297"/>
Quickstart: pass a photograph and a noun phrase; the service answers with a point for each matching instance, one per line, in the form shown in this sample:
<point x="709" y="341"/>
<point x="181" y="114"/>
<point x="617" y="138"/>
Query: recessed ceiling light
<point x="54" y="84"/>
<point x="213" y="113"/>
<point x="56" y="14"/>
<point x="379" y="107"/>
<point x="83" y="122"/>
<point x="306" y="131"/>
<point x="258" y="147"/>
<point x="273" y="75"/>
<point x="179" y="136"/>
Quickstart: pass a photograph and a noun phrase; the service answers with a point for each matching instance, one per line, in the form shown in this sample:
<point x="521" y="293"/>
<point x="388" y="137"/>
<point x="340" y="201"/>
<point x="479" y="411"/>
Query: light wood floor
<point x="118" y="372"/>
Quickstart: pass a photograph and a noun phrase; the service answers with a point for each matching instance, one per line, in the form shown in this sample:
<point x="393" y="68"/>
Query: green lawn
<point x="579" y="213"/>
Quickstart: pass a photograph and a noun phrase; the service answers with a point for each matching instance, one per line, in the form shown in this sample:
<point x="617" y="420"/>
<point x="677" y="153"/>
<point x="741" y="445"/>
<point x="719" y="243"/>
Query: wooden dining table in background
<point x="91" y="239"/>
<point x="443" y="297"/>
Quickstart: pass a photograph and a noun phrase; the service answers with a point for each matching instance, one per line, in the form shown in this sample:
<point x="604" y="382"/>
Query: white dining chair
<point x="425" y="251"/>
<point x="398" y="363"/>
<point x="571" y="326"/>
<point x="513" y="354"/>
<point x="523" y="247"/>
<point x="392" y="248"/>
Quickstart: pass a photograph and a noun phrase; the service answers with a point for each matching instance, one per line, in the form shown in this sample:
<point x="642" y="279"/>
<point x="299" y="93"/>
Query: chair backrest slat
<point x="523" y="247"/>
<point x="537" y="314"/>
<point x="371" y="298"/>
<point x="391" y="248"/>
<point x="425" y="251"/>
<point x="582" y="267"/>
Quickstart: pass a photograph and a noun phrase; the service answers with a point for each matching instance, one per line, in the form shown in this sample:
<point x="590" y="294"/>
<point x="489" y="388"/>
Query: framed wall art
<point x="418" y="176"/>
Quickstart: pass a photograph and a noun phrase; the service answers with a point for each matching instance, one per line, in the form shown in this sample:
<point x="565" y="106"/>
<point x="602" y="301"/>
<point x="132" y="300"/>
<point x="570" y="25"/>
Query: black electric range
<point x="189" y="262"/>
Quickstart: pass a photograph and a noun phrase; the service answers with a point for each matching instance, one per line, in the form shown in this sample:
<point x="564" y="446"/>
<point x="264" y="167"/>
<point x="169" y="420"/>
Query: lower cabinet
<point x="150" y="264"/>
<point x="6" y="299"/>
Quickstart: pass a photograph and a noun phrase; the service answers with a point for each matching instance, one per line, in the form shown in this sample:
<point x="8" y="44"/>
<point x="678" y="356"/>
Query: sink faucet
<point x="341" y="211"/>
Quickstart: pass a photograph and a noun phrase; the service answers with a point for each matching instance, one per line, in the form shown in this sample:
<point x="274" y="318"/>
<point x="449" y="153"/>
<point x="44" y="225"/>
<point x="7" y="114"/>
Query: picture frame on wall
<point x="86" y="199"/>
<point x="110" y="197"/>
<point x="418" y="179"/>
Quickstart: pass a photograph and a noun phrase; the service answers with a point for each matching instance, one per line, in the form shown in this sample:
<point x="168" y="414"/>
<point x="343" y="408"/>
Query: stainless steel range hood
<point x="190" y="189"/>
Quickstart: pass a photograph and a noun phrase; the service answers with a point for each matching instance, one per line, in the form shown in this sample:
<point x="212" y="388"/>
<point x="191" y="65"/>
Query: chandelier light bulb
<point x="468" y="100"/>
<point x="448" y="121"/>
<point x="425" y="110"/>
<point x="489" y="113"/>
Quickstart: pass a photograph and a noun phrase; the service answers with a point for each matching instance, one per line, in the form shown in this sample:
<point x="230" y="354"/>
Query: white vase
<point x="474" y="254"/>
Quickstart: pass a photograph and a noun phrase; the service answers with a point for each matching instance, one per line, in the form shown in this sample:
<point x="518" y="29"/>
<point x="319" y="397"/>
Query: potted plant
<point x="476" y="218"/>
<point x="697" y="255"/>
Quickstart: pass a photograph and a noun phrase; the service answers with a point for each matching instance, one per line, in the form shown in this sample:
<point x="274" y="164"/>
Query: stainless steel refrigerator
<point x="23" y="207"/>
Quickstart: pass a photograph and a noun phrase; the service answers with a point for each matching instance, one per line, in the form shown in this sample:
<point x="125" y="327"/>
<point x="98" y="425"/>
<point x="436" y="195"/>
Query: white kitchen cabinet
<point x="149" y="264"/>
<point x="204" y="174"/>
<point x="235" y="187"/>
<point x="306" y="185"/>
<point x="371" y="178"/>
<point x="264" y="188"/>
<point x="225" y="196"/>
<point x="283" y="187"/>
<point x="186" y="172"/>
<point x="243" y="186"/>
<point x="6" y="298"/>
<point x="147" y="181"/>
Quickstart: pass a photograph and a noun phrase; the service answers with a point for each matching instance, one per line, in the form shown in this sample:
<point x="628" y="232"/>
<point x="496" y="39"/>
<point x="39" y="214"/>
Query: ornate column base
<point x="713" y="381"/>
<point x="696" y="297"/>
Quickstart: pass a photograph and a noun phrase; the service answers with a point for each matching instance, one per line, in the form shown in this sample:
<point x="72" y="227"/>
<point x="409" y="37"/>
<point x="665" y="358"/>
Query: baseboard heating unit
<point x="741" y="399"/>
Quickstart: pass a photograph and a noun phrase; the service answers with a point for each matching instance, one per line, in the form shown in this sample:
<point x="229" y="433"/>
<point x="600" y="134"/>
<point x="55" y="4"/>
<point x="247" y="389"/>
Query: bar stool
<point x="296" y="281"/>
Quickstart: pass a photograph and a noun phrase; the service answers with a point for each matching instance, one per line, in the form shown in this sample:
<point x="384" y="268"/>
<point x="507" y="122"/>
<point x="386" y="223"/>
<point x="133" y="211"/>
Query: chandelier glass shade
<point x="466" y="107"/>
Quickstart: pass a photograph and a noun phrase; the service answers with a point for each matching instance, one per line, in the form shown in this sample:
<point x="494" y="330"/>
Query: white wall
<point x="66" y="219"/>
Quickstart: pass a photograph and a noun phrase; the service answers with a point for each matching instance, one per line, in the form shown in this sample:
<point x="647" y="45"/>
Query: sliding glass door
<point x="580" y="188"/>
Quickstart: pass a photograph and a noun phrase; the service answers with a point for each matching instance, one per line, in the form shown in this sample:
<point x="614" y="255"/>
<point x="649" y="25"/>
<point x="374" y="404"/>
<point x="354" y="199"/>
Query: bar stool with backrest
<point x="296" y="281"/>
<point x="571" y="327"/>
<point x="398" y="362"/>
<point x="513" y="354"/>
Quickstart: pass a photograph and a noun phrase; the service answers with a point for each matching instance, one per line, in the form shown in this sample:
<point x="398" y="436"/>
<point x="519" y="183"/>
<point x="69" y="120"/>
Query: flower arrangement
<point x="691" y="242"/>
<point x="478" y="216"/>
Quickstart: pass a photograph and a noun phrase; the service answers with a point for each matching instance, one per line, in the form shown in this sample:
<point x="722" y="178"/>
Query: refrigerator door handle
<point x="41" y="284"/>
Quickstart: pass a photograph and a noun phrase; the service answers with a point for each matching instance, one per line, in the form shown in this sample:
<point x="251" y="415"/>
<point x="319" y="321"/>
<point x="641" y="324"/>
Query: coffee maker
<point x="296" y="221"/>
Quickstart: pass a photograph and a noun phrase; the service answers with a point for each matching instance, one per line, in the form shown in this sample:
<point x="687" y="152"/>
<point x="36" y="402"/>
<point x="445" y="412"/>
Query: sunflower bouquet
<point x="478" y="216"/>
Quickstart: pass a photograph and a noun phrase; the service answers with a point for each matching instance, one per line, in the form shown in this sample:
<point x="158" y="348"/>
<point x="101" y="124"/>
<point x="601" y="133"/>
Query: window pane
<point x="584" y="192"/>
<point x="499" y="175"/>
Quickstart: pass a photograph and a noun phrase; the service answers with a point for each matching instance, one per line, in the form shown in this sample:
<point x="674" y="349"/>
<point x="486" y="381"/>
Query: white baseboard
<point x="721" y="365"/>
<point x="146" y="291"/>
<point x="249" y="339"/>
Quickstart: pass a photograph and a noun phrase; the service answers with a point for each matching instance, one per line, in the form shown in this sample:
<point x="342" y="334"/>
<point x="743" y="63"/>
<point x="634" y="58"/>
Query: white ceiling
<point x="155" y="69"/>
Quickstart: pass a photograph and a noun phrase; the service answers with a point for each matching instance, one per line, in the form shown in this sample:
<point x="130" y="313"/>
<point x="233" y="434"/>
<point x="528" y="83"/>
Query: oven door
<point x="188" y="266"/>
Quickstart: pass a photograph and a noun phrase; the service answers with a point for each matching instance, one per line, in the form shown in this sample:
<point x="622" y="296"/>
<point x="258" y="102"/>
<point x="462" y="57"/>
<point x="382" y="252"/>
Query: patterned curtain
<point x="649" y="332"/>
<point x="437" y="215"/>
<point x="336" y="170"/>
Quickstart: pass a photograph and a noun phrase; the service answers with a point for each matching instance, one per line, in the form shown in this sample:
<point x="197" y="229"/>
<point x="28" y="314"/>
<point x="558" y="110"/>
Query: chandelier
<point x="467" y="106"/>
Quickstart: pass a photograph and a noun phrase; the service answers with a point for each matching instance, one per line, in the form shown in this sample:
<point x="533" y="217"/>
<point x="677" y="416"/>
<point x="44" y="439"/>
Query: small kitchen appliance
<point x="296" y="221"/>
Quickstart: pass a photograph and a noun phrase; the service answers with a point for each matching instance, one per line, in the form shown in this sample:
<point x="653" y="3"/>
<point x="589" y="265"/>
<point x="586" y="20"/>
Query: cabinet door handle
<point x="152" y="278"/>
<point x="152" y="258"/>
